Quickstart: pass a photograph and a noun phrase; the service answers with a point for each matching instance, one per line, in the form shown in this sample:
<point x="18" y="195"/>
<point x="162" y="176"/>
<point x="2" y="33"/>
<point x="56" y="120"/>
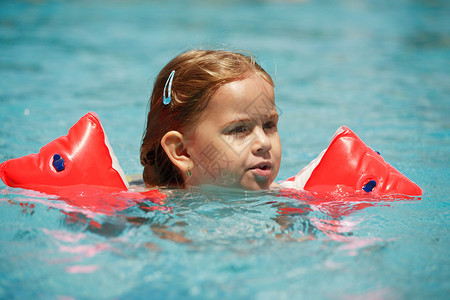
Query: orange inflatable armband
<point x="82" y="157"/>
<point x="348" y="165"/>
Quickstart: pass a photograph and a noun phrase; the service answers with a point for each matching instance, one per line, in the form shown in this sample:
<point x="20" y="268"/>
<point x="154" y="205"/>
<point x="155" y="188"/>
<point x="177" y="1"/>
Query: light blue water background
<point x="380" y="67"/>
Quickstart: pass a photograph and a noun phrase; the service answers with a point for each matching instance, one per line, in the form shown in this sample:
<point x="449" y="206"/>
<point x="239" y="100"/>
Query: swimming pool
<point x="379" y="67"/>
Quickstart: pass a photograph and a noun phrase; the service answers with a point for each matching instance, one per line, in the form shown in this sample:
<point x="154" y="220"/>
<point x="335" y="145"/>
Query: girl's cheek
<point x="214" y="162"/>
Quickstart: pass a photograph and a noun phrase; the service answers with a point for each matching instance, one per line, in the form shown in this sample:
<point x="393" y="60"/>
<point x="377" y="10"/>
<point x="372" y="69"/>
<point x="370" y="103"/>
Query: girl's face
<point x="236" y="141"/>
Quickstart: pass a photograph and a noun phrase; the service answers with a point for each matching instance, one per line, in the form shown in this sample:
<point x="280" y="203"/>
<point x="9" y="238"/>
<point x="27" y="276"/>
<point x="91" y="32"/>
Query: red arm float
<point x="81" y="169"/>
<point x="348" y="166"/>
<point x="82" y="157"/>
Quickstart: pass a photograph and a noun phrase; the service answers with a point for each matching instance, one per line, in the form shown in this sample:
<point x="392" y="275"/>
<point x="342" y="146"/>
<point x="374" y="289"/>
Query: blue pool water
<point x="380" y="67"/>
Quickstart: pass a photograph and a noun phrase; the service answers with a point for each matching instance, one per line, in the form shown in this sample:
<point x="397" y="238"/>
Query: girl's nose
<point x="261" y="143"/>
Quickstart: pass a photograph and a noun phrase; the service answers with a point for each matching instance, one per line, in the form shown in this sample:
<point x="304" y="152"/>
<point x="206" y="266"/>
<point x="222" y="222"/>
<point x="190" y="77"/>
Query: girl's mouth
<point x="262" y="169"/>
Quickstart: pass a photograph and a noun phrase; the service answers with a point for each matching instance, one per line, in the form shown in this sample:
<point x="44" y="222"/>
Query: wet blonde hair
<point x="198" y="75"/>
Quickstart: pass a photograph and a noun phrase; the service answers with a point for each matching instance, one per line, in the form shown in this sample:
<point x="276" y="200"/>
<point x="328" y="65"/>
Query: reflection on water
<point x="284" y="214"/>
<point x="230" y="233"/>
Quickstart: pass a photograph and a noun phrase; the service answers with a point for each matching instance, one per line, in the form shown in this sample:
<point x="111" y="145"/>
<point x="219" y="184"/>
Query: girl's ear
<point x="173" y="145"/>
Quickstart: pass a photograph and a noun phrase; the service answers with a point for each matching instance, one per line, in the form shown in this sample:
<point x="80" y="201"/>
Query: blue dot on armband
<point x="368" y="187"/>
<point x="58" y="163"/>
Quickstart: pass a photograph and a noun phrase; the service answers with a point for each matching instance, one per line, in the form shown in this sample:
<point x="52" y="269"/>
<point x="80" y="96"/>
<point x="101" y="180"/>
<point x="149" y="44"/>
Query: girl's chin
<point x="257" y="185"/>
<point x="248" y="182"/>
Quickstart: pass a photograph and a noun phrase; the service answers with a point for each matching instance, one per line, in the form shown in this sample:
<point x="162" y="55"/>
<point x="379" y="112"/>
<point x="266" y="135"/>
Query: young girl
<point x="212" y="120"/>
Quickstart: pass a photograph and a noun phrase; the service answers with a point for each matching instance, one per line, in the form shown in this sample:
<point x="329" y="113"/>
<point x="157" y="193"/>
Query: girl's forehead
<point x="261" y="108"/>
<point x="251" y="95"/>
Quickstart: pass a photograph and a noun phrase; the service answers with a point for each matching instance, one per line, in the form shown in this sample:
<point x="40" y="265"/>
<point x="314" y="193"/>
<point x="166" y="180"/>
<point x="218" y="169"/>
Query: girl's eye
<point x="271" y="126"/>
<point x="238" y="130"/>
